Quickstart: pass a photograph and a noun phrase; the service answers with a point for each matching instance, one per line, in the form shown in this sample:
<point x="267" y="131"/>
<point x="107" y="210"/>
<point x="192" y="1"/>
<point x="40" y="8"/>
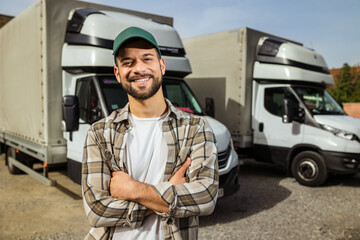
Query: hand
<point x="121" y="185"/>
<point x="148" y="212"/>
<point x="179" y="176"/>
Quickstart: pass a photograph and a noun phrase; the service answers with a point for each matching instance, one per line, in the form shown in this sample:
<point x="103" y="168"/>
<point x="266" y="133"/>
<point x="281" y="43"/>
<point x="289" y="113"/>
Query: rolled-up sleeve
<point x="101" y="208"/>
<point x="198" y="196"/>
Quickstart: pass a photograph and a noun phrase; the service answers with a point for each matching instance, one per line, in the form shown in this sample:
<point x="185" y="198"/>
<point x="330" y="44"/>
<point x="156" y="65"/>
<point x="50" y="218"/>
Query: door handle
<point x="261" y="127"/>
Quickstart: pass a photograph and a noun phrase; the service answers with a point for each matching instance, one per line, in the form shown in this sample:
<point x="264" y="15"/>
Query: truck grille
<point x="223" y="157"/>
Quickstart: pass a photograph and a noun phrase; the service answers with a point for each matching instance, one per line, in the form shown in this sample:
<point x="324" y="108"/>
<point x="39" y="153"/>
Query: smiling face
<point x="139" y="69"/>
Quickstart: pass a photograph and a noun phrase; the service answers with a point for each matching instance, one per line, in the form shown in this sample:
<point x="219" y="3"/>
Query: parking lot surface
<point x="269" y="205"/>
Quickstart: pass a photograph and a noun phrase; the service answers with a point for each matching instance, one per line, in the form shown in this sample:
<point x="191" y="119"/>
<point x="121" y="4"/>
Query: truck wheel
<point x="309" y="169"/>
<point x="12" y="169"/>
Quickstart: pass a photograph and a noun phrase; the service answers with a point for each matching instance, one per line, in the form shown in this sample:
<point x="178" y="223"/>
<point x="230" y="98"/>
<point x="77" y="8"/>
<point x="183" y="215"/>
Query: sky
<point x="331" y="27"/>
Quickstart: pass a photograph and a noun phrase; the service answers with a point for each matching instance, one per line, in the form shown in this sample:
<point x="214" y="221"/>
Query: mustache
<point x="133" y="78"/>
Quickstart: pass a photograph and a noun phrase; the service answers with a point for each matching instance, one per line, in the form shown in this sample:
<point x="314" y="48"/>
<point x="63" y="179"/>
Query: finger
<point x="185" y="166"/>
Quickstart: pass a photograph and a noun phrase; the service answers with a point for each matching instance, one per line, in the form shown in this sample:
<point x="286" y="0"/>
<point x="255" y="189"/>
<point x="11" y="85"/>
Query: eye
<point x="126" y="63"/>
<point x="147" y="58"/>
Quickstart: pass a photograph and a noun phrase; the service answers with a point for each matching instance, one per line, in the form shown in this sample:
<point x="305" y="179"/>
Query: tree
<point x="355" y="97"/>
<point x="347" y="85"/>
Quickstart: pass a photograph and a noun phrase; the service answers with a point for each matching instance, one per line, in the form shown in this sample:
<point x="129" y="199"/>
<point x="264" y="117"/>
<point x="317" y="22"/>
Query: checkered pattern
<point x="104" y="152"/>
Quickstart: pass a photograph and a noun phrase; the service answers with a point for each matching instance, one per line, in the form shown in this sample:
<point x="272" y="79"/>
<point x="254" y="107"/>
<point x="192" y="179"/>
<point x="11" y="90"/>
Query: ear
<point x="162" y="66"/>
<point x="116" y="72"/>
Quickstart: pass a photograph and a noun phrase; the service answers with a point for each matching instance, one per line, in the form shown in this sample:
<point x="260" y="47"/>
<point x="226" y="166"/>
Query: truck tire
<point x="309" y="169"/>
<point x="12" y="169"/>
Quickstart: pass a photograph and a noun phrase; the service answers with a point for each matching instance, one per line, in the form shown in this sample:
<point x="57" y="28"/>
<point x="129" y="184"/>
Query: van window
<point x="318" y="101"/>
<point x="175" y="90"/>
<point x="115" y="96"/>
<point x="180" y="96"/>
<point x="82" y="89"/>
<point x="274" y="98"/>
<point x="88" y="100"/>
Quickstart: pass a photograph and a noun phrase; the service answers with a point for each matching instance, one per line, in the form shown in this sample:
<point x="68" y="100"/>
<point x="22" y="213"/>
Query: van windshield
<point x="318" y="101"/>
<point x="180" y="96"/>
<point x="176" y="91"/>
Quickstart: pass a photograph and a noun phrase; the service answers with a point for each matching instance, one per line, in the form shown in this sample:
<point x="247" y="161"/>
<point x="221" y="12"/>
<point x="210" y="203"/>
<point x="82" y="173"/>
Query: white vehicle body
<point x="270" y="93"/>
<point x="69" y="64"/>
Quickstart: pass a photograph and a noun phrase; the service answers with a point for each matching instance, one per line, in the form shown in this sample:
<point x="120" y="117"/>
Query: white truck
<point x="271" y="94"/>
<point x="56" y="78"/>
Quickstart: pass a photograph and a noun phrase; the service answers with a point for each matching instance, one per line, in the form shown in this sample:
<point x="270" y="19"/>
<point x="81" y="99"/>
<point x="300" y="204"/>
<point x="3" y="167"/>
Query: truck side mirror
<point x="288" y="114"/>
<point x="292" y="111"/>
<point x="209" y="107"/>
<point x="70" y="112"/>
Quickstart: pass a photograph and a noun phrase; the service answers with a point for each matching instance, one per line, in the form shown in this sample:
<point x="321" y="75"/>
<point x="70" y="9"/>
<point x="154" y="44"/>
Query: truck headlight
<point x="341" y="133"/>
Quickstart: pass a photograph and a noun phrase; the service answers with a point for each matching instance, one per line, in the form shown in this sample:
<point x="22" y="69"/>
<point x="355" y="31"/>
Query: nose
<point x="139" y="67"/>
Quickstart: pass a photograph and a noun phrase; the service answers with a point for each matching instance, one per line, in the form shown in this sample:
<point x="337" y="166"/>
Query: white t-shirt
<point x="146" y="152"/>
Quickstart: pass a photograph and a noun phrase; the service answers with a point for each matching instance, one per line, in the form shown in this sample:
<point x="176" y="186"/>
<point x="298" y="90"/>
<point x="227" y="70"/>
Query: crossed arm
<point x="123" y="187"/>
<point x="108" y="203"/>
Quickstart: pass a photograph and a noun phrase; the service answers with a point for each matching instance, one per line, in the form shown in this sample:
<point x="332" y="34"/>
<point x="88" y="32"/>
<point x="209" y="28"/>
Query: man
<point x="149" y="169"/>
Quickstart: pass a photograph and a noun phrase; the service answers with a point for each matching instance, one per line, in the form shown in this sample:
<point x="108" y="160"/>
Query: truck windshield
<point x="176" y="91"/>
<point x="180" y="96"/>
<point x="318" y="101"/>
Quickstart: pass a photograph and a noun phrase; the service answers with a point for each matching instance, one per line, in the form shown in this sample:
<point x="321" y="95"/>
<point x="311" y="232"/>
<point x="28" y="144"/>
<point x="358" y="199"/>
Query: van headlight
<point x="341" y="133"/>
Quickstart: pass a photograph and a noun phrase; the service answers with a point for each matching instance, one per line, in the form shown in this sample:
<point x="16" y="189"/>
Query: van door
<point x="90" y="111"/>
<point x="272" y="138"/>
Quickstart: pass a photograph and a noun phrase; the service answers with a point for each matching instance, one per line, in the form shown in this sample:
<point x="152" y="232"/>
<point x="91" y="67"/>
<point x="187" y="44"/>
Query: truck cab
<point x="297" y="124"/>
<point x="89" y="81"/>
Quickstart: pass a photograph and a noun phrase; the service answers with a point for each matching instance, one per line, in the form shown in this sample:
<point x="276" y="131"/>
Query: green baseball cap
<point x="133" y="32"/>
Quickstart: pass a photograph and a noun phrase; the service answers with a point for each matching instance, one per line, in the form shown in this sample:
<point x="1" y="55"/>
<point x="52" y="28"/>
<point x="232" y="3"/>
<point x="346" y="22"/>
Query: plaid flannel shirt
<point x="104" y="152"/>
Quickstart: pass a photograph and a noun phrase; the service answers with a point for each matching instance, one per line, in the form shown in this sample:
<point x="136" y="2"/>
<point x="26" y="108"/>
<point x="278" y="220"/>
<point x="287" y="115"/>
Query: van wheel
<point x="12" y="169"/>
<point x="309" y="169"/>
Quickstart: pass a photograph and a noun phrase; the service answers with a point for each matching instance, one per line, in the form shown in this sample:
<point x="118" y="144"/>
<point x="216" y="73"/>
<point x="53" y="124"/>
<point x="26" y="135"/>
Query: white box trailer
<point x="244" y="75"/>
<point x="222" y="66"/>
<point x="56" y="78"/>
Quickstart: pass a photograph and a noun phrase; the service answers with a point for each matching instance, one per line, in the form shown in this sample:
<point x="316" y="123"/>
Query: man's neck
<point x="148" y="108"/>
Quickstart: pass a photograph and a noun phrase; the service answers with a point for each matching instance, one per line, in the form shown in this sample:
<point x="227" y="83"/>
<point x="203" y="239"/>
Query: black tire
<point x="12" y="169"/>
<point x="309" y="169"/>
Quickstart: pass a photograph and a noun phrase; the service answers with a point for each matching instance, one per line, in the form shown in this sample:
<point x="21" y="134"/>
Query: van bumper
<point x="228" y="183"/>
<point x="342" y="163"/>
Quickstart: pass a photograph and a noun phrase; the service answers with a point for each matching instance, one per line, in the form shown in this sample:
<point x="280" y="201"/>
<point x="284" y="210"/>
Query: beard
<point x="142" y="93"/>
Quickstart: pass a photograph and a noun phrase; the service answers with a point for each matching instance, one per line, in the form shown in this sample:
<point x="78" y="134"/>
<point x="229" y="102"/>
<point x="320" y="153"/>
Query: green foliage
<point x="356" y="93"/>
<point x="347" y="85"/>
